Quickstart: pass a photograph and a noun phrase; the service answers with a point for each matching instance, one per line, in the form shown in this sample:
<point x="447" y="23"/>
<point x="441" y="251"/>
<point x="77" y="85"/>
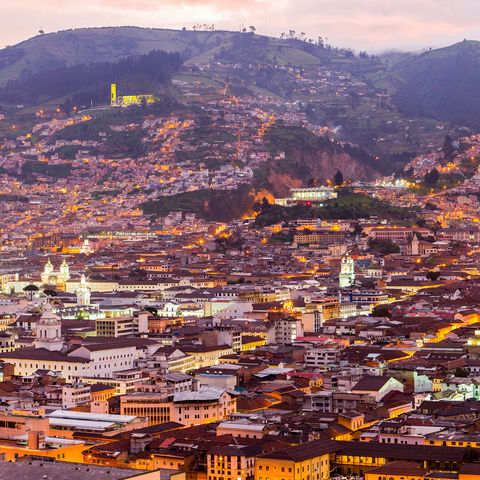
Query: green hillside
<point x="442" y="84"/>
<point x="109" y="44"/>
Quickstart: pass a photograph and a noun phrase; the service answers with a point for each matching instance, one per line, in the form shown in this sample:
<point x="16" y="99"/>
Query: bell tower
<point x="65" y="270"/>
<point x="347" y="272"/>
<point x="83" y="292"/>
<point x="49" y="330"/>
<point x="47" y="271"/>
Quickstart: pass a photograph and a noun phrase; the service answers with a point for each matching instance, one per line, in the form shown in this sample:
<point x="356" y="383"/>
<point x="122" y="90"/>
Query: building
<point x="397" y="233"/>
<point x="308" y="461"/>
<point x="57" y="278"/>
<point x="122" y="325"/>
<point x="126" y="100"/>
<point x="36" y="468"/>
<point x="70" y="423"/>
<point x="232" y="462"/>
<point x="377" y="386"/>
<point x="284" y="330"/>
<point x="49" y="328"/>
<point x="205" y="405"/>
<point x="319" y="237"/>
<point x="307" y="196"/>
<point x="74" y="395"/>
<point x="322" y="357"/>
<point x="83" y="293"/>
<point x="347" y="272"/>
<point x="27" y="361"/>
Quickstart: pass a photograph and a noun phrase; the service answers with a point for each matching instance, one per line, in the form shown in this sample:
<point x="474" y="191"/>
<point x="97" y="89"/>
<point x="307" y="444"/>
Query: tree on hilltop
<point x="432" y="177"/>
<point x="338" y="178"/>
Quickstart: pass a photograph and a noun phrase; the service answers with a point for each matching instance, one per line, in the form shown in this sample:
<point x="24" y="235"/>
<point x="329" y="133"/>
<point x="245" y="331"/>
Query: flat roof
<point x="86" y="424"/>
<point x="35" y="469"/>
<point x="101" y="417"/>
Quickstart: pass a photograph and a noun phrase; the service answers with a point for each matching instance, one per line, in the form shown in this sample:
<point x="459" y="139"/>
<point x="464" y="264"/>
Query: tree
<point x="470" y="455"/>
<point x="30" y="289"/>
<point x="338" y="178"/>
<point x="447" y="149"/>
<point x="421" y="222"/>
<point x="460" y="372"/>
<point x="357" y="230"/>
<point x="433" y="276"/>
<point x="385" y="247"/>
<point x="431" y="178"/>
<point x="380" y="311"/>
<point x="50" y="293"/>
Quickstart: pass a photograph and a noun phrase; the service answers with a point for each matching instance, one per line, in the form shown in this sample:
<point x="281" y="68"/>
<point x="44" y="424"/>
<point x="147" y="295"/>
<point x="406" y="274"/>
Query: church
<point x="57" y="278"/>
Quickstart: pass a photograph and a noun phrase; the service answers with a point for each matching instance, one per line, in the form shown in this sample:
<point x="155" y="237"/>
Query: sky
<point x="372" y="25"/>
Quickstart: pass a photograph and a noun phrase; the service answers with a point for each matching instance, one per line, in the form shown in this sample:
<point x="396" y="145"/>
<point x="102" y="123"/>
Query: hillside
<point x="350" y="205"/>
<point x="91" y="82"/>
<point x="441" y="84"/>
<point x="307" y="157"/>
<point x="109" y="44"/>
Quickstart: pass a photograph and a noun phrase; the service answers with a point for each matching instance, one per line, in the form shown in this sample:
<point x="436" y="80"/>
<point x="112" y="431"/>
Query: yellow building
<point x="125" y="100"/>
<point x="251" y="342"/>
<point x="39" y="446"/>
<point x="309" y="461"/>
<point x="232" y="462"/>
<point x="207" y="356"/>
<point x="397" y="471"/>
<point x="28" y="433"/>
<point x="407" y="470"/>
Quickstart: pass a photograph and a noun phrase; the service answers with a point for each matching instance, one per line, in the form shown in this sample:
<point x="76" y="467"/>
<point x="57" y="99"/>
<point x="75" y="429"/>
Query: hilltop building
<point x="126" y="100"/>
<point x="300" y="196"/>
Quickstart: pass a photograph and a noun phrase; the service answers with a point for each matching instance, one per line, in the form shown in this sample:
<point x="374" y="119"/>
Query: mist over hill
<point x="443" y="84"/>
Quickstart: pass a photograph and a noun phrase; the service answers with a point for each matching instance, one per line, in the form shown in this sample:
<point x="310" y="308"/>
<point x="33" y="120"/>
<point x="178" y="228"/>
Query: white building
<point x="284" y="330"/>
<point x="75" y="394"/>
<point x="83" y="292"/>
<point x="347" y="272"/>
<point x="49" y="330"/>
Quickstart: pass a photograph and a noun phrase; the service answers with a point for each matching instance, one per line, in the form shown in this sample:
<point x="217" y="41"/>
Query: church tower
<point x="47" y="271"/>
<point x="86" y="247"/>
<point x="347" y="272"/>
<point x="415" y="245"/>
<point x="65" y="270"/>
<point x="83" y="292"/>
<point x="49" y="330"/>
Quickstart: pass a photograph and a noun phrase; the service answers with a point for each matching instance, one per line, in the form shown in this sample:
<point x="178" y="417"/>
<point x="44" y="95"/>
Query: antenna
<point x="41" y="32"/>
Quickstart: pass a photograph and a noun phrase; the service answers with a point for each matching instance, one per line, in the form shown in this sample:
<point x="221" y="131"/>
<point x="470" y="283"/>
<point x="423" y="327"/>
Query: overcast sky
<point x="373" y="25"/>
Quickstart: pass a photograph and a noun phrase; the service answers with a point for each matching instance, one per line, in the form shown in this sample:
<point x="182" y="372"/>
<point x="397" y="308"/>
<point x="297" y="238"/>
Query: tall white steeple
<point x="49" y="330"/>
<point x="347" y="272"/>
<point x="83" y="292"/>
